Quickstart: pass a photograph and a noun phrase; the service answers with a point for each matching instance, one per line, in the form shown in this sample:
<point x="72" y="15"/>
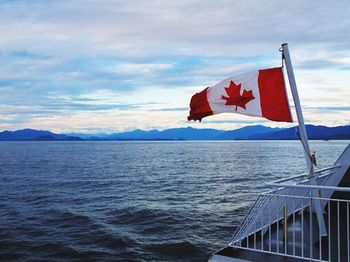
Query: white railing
<point x="282" y="221"/>
<point x="297" y="235"/>
<point x="268" y="209"/>
<point x="299" y="178"/>
<point x="259" y="215"/>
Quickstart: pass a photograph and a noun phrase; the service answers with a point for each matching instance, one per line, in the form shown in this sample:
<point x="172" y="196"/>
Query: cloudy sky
<point x="105" y="66"/>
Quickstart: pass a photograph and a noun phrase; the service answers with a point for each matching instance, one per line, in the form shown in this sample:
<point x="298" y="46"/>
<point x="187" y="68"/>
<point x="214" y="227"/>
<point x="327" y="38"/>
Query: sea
<point x="136" y="201"/>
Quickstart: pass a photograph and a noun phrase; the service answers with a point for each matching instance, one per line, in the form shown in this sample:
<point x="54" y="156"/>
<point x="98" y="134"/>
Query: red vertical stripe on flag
<point x="273" y="95"/>
<point x="199" y="106"/>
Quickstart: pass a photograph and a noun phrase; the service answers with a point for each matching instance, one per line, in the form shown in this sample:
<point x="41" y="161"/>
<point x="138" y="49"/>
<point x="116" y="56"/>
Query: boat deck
<point x="240" y="255"/>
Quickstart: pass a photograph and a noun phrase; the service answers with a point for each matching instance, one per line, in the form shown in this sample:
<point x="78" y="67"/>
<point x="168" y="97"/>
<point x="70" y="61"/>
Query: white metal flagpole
<point x="302" y="129"/>
<point x="303" y="135"/>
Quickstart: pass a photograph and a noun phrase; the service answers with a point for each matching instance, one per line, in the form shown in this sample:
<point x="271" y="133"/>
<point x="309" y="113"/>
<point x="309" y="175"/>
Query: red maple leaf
<point x="234" y="96"/>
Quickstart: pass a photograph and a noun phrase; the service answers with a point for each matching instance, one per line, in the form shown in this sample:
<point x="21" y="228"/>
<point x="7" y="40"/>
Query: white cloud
<point x="134" y="68"/>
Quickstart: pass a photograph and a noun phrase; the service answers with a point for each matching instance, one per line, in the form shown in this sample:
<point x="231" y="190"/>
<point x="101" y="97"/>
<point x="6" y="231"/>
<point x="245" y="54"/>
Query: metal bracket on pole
<point x="303" y="136"/>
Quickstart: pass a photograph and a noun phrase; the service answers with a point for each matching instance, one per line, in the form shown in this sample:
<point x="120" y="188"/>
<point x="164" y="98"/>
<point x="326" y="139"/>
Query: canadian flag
<point x="260" y="93"/>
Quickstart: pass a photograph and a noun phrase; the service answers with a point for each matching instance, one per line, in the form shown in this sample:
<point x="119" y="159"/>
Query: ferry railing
<point x="260" y="207"/>
<point x="298" y="234"/>
<point x="282" y="221"/>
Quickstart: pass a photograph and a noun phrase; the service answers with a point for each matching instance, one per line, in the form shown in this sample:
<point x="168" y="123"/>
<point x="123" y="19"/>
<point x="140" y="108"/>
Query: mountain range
<point x="257" y="132"/>
<point x="34" y="135"/>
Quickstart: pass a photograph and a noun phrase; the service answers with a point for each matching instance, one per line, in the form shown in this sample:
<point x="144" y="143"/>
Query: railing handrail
<point x="308" y="197"/>
<point x="304" y="174"/>
<point x="271" y="194"/>
<point x="326" y="188"/>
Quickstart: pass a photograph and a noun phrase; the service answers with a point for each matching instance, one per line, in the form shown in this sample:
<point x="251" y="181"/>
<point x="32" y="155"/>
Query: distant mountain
<point x="135" y="134"/>
<point x="247" y="131"/>
<point x="34" y="135"/>
<point x="87" y="136"/>
<point x="257" y="132"/>
<point x="187" y="133"/>
<point x="190" y="133"/>
<point x="54" y="138"/>
<point x="314" y="133"/>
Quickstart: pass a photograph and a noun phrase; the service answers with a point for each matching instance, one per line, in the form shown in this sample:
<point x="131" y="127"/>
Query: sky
<point x="109" y="66"/>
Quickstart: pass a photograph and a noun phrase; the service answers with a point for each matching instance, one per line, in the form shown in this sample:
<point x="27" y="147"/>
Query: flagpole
<point x="302" y="129"/>
<point x="303" y="135"/>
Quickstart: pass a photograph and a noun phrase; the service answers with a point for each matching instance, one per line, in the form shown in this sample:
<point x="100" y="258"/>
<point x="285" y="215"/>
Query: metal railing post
<point x="329" y="230"/>
<point x="348" y="230"/>
<point x="338" y="231"/>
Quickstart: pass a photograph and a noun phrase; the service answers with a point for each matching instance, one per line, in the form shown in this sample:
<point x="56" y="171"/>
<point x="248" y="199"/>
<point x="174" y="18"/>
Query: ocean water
<point x="135" y="201"/>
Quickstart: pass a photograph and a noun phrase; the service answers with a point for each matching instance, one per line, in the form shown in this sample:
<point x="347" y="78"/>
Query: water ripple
<point x="135" y="201"/>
